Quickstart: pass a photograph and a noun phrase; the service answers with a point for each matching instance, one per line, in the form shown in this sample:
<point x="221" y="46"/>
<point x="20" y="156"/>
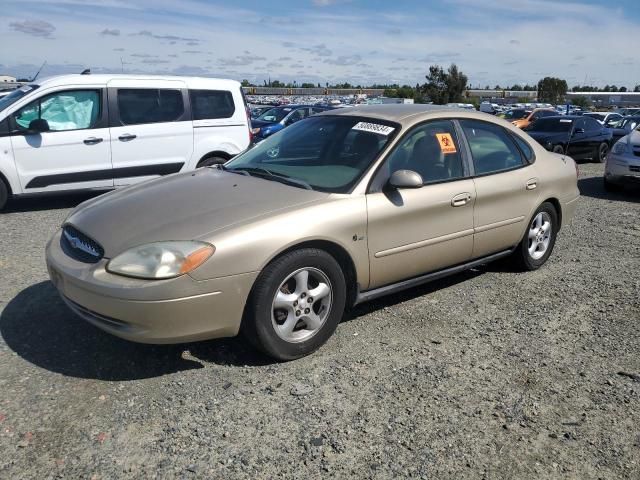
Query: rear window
<point x="210" y="104"/>
<point x="149" y="105"/>
<point x="525" y="148"/>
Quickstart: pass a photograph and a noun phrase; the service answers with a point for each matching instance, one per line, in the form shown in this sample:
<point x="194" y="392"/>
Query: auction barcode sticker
<point x="373" y="128"/>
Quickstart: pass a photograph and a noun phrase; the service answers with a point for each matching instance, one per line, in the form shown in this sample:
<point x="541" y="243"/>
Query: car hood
<point x="544" y="137"/>
<point x="185" y="206"/>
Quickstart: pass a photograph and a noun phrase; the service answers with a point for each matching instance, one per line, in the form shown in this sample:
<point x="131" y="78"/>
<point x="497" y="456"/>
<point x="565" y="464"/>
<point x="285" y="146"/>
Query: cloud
<point x="174" y="38"/>
<point x="242" y="60"/>
<point x="321" y="50"/>
<point x="118" y="50"/>
<point x="192" y="52"/>
<point x="284" y="59"/>
<point x="36" y="28"/>
<point x="154" y="61"/>
<point x="143" y="55"/>
<point x="344" y="60"/>
<point x="113" y="32"/>
<point x="514" y="42"/>
<point x="288" y="44"/>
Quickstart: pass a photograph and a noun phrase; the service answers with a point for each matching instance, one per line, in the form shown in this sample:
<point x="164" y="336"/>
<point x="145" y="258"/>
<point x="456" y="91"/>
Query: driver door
<point x="420" y="230"/>
<point x="75" y="153"/>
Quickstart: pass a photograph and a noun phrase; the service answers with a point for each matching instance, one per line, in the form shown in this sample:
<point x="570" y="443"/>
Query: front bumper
<point x="177" y="310"/>
<point x="623" y="168"/>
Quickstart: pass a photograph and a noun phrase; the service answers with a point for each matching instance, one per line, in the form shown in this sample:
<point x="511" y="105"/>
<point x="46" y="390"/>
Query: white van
<point x="76" y="132"/>
<point x="488" y="107"/>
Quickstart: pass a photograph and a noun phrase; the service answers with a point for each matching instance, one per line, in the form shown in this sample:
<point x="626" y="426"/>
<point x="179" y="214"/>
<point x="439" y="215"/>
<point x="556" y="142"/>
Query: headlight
<point x="161" y="260"/>
<point x="620" y="148"/>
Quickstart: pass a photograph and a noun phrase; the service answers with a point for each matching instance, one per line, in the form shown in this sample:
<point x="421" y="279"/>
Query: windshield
<point x="324" y="153"/>
<point x="16" y="95"/>
<point x="275" y="114"/>
<point x="629" y="123"/>
<point x="515" y="114"/>
<point x="595" y="116"/>
<point x="551" y="125"/>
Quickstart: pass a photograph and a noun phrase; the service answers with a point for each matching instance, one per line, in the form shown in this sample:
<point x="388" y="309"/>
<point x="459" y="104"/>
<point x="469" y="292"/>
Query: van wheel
<point x="538" y="241"/>
<point x="210" y="161"/>
<point x="296" y="304"/>
<point x="4" y="194"/>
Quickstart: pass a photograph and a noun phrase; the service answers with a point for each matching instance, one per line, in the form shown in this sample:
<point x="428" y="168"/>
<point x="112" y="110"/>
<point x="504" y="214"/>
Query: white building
<point x="7" y="79"/>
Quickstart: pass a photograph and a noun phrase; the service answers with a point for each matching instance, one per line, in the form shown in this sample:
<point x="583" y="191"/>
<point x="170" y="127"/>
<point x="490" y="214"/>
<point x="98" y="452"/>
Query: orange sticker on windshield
<point x="446" y="143"/>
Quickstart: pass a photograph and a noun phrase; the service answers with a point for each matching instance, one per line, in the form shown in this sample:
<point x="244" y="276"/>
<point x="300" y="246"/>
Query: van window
<point x="68" y="110"/>
<point x="149" y="105"/>
<point x="209" y="104"/>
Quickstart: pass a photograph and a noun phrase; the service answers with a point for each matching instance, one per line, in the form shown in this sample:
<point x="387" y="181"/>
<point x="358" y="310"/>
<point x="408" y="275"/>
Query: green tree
<point x="582" y="102"/>
<point x="636" y="88"/>
<point x="552" y="89"/>
<point x="622" y="89"/>
<point x="246" y="83"/>
<point x="444" y="86"/>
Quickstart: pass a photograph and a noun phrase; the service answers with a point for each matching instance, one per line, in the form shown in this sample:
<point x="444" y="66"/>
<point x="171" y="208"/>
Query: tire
<point x="603" y="151"/>
<point x="612" y="187"/>
<point x="283" y="333"/>
<point x="526" y="256"/>
<point x="210" y="161"/>
<point x="558" y="149"/>
<point x="4" y="195"/>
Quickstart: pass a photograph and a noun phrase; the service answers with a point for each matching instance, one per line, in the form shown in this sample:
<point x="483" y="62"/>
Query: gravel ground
<point x="488" y="374"/>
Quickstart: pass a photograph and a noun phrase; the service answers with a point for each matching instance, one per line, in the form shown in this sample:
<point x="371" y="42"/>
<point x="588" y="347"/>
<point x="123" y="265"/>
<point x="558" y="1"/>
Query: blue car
<point x="277" y="118"/>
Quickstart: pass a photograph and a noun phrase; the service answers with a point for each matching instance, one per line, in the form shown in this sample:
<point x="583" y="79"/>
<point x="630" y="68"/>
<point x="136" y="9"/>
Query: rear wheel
<point x="538" y="241"/>
<point x="296" y="304"/>
<point x="558" y="149"/>
<point x="4" y="194"/>
<point x="210" y="161"/>
<point x="603" y="151"/>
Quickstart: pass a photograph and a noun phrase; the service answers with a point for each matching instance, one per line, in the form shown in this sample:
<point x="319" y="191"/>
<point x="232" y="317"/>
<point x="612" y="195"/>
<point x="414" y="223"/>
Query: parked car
<point x="337" y="209"/>
<point x="488" y="107"/>
<point x="535" y="114"/>
<point x="103" y="131"/>
<point x="628" y="111"/>
<point x="623" y="163"/>
<point x="277" y="118"/>
<point x="257" y="110"/>
<point x="604" y="118"/>
<point x="577" y="136"/>
<point x="624" y="127"/>
<point x="515" y="114"/>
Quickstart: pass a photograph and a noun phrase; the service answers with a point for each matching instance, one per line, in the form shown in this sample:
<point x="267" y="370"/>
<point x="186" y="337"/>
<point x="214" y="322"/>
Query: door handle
<point x="127" y="137"/>
<point x="531" y="184"/>
<point x="92" y="141"/>
<point x="461" y="199"/>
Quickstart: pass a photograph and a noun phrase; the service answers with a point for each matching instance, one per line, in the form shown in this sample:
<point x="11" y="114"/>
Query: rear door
<point x="151" y="129"/>
<point x="506" y="187"/>
<point x="579" y="142"/>
<point x="75" y="153"/>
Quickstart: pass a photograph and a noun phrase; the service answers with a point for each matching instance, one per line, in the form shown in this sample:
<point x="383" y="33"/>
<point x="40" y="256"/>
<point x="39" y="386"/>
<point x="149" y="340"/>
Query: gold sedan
<point x="338" y="209"/>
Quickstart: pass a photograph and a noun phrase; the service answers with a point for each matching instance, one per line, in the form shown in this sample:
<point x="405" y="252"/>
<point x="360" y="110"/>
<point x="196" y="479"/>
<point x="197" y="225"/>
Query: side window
<point x="211" y="104"/>
<point x="296" y="116"/>
<point x="315" y="110"/>
<point x="492" y="148"/>
<point x="525" y="148"/>
<point x="69" y="110"/>
<point x="592" y="125"/>
<point x="430" y="150"/>
<point x="579" y="124"/>
<point x="149" y="105"/>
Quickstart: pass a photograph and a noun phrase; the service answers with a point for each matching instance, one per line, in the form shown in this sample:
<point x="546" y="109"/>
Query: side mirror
<point x="39" y="125"/>
<point x="405" y="179"/>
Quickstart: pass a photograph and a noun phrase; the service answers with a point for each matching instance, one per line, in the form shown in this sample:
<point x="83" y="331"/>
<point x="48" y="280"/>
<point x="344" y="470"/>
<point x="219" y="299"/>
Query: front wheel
<point x="538" y="241"/>
<point x="210" y="161"/>
<point x="296" y="304"/>
<point x="558" y="149"/>
<point x="603" y="151"/>
<point x="4" y="194"/>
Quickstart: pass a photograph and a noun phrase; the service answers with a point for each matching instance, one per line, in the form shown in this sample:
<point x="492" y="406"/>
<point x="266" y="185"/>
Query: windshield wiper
<point x="268" y="174"/>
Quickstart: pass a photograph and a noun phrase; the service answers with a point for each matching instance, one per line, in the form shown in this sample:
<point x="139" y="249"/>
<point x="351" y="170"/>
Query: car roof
<point x="401" y="113"/>
<point x="91" y="79"/>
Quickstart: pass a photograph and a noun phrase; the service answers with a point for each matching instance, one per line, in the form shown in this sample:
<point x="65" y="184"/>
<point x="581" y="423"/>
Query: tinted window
<point x="16" y="95"/>
<point x="430" y="150"/>
<point x="526" y="150"/>
<point x="69" y="110"/>
<point x="298" y="115"/>
<point x="208" y="104"/>
<point x="492" y="148"/>
<point x="149" y="105"/>
<point x="551" y="125"/>
<point x="592" y="125"/>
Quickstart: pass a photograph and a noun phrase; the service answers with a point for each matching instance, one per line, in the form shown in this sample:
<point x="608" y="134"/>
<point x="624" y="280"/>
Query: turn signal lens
<point x="197" y="258"/>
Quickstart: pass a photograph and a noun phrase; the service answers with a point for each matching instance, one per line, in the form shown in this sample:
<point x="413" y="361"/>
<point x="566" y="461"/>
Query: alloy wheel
<point x="301" y="305"/>
<point x="539" y="235"/>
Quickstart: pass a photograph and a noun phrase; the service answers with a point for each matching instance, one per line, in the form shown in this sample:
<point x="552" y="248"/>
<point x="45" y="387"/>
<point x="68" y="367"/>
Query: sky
<point x="357" y="41"/>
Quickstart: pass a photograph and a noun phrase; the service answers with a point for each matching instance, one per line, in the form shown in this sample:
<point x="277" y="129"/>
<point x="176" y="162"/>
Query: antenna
<point x="38" y="72"/>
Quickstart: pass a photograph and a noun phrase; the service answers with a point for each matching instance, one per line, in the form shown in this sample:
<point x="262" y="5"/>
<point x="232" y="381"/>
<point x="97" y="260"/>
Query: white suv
<point x="78" y="132"/>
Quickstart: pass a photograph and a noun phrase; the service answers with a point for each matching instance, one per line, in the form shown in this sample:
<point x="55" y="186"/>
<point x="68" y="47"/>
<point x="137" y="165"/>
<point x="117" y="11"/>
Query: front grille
<point x="80" y="247"/>
<point x="634" y="168"/>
